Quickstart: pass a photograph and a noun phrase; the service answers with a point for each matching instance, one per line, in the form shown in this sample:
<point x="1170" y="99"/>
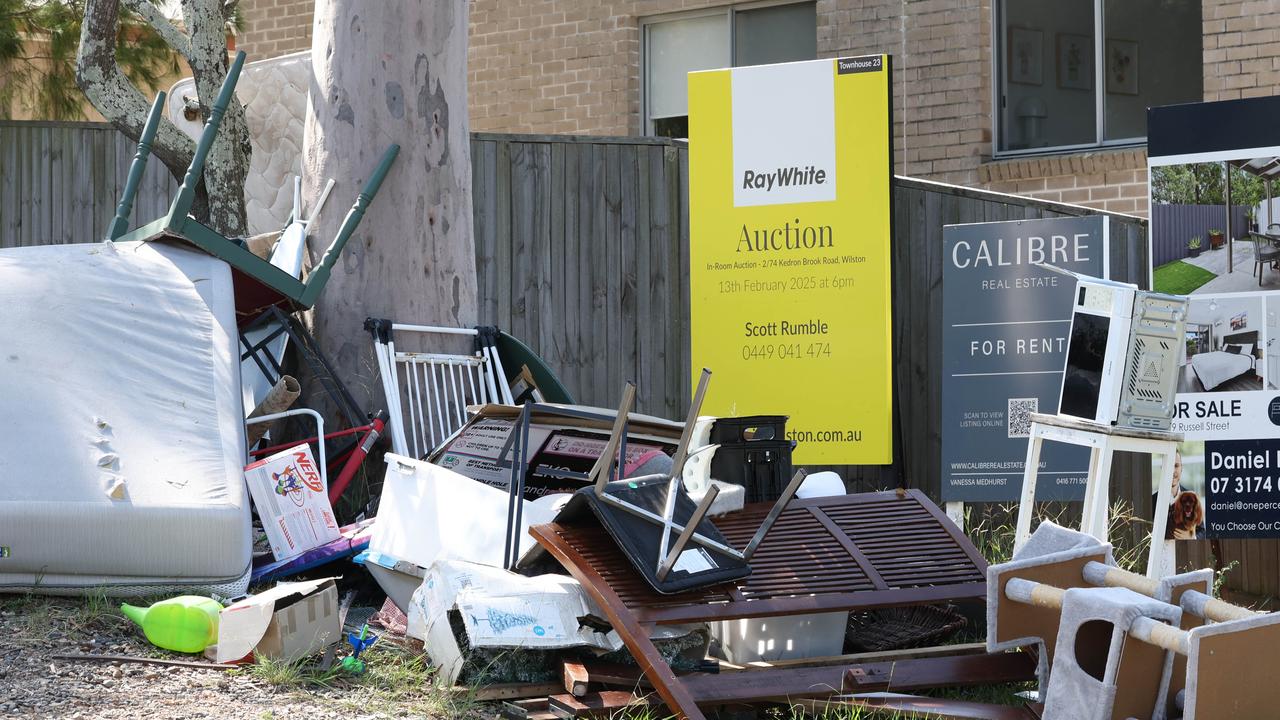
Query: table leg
<point x="1026" y="505"/>
<point x="1156" y="558"/>
<point x="1101" y="494"/>
<point x="1090" y="489"/>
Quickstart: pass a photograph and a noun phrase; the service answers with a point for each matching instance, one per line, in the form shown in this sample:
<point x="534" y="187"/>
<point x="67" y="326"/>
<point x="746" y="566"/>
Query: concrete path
<point x="1243" y="279"/>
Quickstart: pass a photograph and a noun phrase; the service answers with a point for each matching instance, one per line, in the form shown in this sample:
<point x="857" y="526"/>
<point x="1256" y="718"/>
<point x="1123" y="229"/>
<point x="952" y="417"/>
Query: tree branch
<point x="114" y="96"/>
<point x="162" y="25"/>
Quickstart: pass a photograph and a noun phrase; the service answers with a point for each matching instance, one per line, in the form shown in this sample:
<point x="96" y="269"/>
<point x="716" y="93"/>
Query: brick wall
<point x="573" y="66"/>
<point x="1241" y="49"/>
<point x="1113" y="180"/>
<point x="942" y="90"/>
<point x="275" y="27"/>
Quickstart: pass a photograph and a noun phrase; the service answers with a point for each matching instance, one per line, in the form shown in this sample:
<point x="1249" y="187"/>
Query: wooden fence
<point x="60" y="181"/>
<point x="582" y="251"/>
<point x="1172" y="226"/>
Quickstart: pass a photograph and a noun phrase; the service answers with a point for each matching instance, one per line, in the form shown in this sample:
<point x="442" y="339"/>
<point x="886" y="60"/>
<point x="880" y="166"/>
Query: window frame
<point x="725" y="11"/>
<point x="999" y="112"/>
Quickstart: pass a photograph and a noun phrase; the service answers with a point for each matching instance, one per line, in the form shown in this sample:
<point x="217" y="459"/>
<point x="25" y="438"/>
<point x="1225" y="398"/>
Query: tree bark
<point x="392" y="71"/>
<point x="228" y="161"/>
<point x="220" y="197"/>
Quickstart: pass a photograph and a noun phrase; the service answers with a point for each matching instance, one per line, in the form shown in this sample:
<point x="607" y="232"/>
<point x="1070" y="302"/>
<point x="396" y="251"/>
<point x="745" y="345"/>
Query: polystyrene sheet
<point x="121" y="423"/>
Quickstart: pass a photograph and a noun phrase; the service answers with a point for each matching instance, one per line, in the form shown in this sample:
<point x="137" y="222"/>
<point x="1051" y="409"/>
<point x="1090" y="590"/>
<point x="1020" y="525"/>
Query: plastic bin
<point x="781" y="638"/>
<point x="754" y="453"/>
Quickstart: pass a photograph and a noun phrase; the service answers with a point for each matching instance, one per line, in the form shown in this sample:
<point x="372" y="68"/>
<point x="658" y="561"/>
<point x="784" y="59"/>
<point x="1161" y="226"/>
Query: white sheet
<point x="121" y="427"/>
<point x="1217" y="367"/>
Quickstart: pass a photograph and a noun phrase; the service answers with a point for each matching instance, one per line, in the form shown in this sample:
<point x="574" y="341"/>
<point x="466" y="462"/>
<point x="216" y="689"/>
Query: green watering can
<point x="186" y="624"/>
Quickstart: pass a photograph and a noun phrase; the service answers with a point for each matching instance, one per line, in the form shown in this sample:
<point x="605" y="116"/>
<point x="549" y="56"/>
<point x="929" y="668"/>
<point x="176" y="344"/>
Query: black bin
<point x="754" y="453"/>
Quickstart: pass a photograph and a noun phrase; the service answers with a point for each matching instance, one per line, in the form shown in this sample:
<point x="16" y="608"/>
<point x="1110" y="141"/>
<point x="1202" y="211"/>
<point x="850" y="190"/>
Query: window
<point x="755" y="34"/>
<point x="1074" y="74"/>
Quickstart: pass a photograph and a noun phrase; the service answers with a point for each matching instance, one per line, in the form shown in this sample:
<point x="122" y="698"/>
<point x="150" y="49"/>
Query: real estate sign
<point x="1211" y="168"/>
<point x="1005" y="324"/>
<point x="789" y="184"/>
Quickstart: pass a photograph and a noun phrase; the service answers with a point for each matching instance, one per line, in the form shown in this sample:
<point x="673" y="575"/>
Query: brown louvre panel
<point x="850" y="552"/>
<point x="833" y="546"/>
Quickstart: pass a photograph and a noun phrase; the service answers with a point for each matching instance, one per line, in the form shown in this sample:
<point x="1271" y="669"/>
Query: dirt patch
<point x="33" y="684"/>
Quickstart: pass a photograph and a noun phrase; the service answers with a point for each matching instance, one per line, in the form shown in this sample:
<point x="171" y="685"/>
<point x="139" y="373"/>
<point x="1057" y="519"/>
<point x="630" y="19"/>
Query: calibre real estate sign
<point x="1227" y="480"/>
<point x="790" y="203"/>
<point x="1004" y="342"/>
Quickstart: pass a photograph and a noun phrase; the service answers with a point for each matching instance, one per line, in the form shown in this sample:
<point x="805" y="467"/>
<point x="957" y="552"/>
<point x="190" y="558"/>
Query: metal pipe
<point x="187" y="193"/>
<point x="678" y="460"/>
<point x="324" y="465"/>
<point x="673" y="555"/>
<point x="654" y="517"/>
<point x="120" y="224"/>
<point x="774" y="513"/>
<point x="603" y="468"/>
<point x="320" y="274"/>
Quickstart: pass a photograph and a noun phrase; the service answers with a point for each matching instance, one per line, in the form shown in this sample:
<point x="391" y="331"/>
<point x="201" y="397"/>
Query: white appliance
<point x="1122" y="354"/>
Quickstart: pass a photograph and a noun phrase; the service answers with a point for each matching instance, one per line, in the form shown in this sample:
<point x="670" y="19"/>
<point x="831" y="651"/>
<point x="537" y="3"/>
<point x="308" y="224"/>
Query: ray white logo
<point x="784" y="134"/>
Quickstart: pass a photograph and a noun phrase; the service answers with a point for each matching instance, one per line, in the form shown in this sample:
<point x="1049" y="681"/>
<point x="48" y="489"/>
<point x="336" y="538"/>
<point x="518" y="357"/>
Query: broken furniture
<point x="428" y="392"/>
<point x="268" y="336"/>
<point x="435" y="387"/>
<point x="121" y="426"/>
<point x="652" y="518"/>
<point x="258" y="283"/>
<point x="427" y="513"/>
<point x="258" y="341"/>
<point x="1222" y="655"/>
<point x="849" y="552"/>
<point x="1104" y="441"/>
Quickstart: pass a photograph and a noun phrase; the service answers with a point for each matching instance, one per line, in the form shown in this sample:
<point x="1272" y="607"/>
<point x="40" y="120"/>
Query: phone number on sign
<point x="786" y="351"/>
<point x="1240" y="485"/>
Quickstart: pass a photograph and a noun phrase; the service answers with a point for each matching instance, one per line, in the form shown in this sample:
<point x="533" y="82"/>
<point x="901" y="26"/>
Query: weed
<point x="992" y="529"/>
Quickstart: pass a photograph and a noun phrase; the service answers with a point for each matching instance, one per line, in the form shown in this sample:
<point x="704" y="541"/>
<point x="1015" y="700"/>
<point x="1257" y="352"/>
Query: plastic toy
<point x="359" y="643"/>
<point x="186" y="624"/>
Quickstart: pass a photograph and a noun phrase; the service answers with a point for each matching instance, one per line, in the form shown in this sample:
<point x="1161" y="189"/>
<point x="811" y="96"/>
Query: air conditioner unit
<point x="1122" y="354"/>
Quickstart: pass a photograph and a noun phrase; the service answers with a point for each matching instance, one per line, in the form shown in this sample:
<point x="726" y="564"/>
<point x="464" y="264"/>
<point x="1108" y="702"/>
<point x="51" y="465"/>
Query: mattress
<point x="1217" y="367"/>
<point x="121" y="422"/>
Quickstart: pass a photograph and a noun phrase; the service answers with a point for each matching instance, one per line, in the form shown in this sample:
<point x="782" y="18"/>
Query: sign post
<point x="789" y="269"/>
<point x="1004" y="341"/>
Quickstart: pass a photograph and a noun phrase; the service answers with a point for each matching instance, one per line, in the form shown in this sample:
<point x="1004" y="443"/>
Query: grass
<point x="397" y="680"/>
<point x="1181" y="278"/>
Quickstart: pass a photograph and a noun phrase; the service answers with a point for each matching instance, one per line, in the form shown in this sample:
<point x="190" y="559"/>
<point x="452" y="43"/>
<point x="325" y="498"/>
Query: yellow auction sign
<point x="789" y="173"/>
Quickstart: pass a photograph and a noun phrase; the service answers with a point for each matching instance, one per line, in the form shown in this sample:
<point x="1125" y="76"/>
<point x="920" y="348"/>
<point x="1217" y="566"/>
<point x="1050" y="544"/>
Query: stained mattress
<point x="121" y="422"/>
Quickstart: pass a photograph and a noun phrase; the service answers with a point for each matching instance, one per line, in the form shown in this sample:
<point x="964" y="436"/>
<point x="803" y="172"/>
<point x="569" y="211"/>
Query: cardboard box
<point x="292" y="502"/>
<point x="288" y="622"/>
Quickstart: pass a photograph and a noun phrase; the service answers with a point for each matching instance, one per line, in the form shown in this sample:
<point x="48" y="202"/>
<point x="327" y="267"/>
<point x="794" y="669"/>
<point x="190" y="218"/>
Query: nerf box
<point x="292" y="502"/>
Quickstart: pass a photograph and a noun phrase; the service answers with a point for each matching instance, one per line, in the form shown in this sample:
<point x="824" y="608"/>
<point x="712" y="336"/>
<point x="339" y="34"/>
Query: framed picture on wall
<point x="1075" y="61"/>
<point x="1026" y="56"/>
<point x="1122" y="67"/>
<point x="1239" y="322"/>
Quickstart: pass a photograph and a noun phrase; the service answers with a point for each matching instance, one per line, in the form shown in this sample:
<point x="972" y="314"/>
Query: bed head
<point x="1244" y="338"/>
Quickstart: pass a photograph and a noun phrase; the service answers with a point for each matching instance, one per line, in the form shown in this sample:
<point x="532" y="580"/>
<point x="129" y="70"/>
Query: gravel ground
<point x="33" y="684"/>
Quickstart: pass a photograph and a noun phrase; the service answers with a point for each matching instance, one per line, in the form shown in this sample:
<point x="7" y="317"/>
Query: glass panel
<point x="1047" y="74"/>
<point x="1086" y="355"/>
<point x="1153" y="57"/>
<point x="782" y="33"/>
<point x="675" y="48"/>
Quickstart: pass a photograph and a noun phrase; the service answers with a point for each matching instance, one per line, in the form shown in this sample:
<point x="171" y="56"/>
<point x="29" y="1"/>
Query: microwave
<point x="1122" y="355"/>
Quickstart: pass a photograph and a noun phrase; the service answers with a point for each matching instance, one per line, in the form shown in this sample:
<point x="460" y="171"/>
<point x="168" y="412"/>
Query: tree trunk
<point x="392" y="71"/>
<point x="228" y="162"/>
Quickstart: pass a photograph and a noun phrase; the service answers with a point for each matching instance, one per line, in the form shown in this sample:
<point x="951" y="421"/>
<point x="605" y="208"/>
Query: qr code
<point x="1019" y="415"/>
